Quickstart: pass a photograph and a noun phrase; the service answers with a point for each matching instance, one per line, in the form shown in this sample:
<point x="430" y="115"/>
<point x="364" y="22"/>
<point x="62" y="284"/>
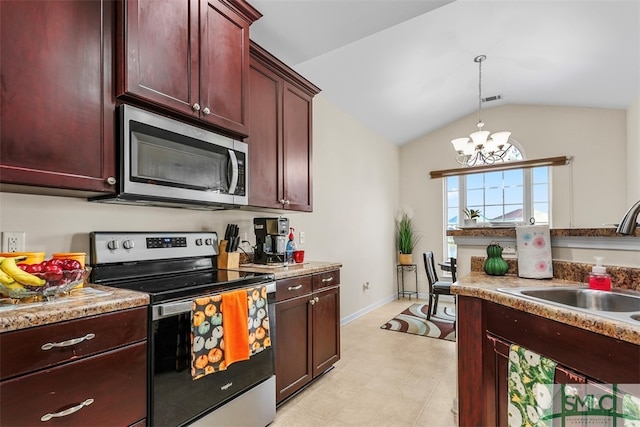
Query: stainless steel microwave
<point x="164" y="162"/>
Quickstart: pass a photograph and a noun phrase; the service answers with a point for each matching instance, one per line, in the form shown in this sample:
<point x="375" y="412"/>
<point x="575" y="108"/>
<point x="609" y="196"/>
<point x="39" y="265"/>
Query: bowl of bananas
<point x="46" y="280"/>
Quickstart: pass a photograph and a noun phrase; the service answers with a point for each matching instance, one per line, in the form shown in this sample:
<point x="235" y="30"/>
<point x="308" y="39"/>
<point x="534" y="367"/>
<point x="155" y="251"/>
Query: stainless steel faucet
<point x="630" y="220"/>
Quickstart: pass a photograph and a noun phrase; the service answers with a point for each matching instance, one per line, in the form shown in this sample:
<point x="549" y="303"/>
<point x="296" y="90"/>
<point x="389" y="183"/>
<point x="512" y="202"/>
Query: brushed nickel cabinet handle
<point x="111" y="180"/>
<point x="295" y="288"/>
<point x="67" y="343"/>
<point x="330" y="279"/>
<point x="206" y="111"/>
<point x="47" y="417"/>
<point x="196" y="107"/>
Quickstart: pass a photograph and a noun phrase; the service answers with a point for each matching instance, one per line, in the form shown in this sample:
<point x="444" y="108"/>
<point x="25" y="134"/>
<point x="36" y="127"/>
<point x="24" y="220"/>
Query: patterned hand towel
<point x="530" y="388"/>
<point x="207" y="344"/>
<point x="259" y="338"/>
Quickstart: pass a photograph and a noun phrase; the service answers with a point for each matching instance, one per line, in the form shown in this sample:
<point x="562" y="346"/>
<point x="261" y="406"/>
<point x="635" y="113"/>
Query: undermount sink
<point x="588" y="298"/>
<point x="619" y="305"/>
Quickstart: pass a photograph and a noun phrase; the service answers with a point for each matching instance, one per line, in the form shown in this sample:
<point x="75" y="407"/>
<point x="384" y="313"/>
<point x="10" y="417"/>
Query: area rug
<point x="413" y="320"/>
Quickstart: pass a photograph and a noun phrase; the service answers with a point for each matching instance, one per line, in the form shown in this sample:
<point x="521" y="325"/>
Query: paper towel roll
<point x="533" y="243"/>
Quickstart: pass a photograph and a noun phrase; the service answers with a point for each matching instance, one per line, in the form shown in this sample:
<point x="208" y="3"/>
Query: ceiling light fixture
<point x="480" y="148"/>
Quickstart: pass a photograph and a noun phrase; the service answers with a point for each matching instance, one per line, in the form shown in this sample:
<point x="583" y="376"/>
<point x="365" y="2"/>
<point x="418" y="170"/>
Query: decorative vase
<point x="405" y="259"/>
<point x="470" y="222"/>
<point x="495" y="265"/>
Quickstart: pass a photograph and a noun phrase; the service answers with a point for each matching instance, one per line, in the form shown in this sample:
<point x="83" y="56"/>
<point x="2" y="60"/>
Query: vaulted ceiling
<point x="405" y="68"/>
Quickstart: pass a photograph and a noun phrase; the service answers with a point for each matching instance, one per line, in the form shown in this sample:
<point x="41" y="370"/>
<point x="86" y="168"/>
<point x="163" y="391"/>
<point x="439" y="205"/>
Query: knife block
<point x="227" y="260"/>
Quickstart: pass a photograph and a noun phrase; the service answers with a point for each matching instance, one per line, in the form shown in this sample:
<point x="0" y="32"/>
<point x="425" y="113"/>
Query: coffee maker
<point x="271" y="240"/>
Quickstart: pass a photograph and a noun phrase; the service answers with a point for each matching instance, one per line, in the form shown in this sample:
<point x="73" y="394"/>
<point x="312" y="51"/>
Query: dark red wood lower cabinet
<point x="107" y="389"/>
<point x="485" y="332"/>
<point x="307" y="341"/>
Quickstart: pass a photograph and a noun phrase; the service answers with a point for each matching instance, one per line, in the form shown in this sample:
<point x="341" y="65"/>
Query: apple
<point x="52" y="273"/>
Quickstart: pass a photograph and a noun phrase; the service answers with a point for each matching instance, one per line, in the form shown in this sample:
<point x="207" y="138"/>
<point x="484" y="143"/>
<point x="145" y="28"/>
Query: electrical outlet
<point x="13" y="241"/>
<point x="301" y="235"/>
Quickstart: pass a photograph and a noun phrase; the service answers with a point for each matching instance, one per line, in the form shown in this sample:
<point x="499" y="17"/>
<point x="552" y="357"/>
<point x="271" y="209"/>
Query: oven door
<point x="177" y="399"/>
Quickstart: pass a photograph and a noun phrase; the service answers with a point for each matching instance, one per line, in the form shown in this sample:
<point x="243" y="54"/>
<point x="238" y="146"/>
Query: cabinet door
<point x="159" y="54"/>
<point x="116" y="381"/>
<point x="293" y="346"/>
<point x="326" y="329"/>
<point x="297" y="146"/>
<point x="265" y="137"/>
<point x="57" y="120"/>
<point x="224" y="66"/>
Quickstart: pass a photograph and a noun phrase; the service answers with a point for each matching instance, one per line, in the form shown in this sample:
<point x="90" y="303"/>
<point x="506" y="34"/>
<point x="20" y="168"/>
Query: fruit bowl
<point x="52" y="288"/>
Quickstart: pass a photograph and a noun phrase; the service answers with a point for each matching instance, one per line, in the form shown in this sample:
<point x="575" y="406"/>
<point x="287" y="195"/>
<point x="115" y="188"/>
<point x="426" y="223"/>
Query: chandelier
<point x="480" y="148"/>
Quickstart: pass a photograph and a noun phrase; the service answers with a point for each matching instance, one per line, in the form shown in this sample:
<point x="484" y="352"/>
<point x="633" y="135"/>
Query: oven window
<point x="178" y="162"/>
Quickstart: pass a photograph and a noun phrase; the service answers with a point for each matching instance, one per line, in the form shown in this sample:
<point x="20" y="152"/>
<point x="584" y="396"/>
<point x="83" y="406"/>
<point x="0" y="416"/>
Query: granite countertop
<point x="554" y="232"/>
<point x="483" y="286"/>
<point x="88" y="301"/>
<point x="291" y="270"/>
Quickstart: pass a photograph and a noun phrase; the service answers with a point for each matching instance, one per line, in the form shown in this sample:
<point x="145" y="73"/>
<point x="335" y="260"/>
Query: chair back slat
<point x="454" y="269"/>
<point x="430" y="268"/>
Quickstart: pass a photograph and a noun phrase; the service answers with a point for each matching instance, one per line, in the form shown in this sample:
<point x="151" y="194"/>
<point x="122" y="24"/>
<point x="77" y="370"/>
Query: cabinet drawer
<point x="115" y="380"/>
<point x="23" y="349"/>
<point x="326" y="279"/>
<point x="293" y="287"/>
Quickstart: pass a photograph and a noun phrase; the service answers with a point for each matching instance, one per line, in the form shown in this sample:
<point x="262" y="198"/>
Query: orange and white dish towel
<point x="228" y="328"/>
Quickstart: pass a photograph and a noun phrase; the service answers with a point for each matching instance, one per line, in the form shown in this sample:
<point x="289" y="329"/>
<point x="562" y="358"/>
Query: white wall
<point x="355" y="176"/>
<point x="633" y="153"/>
<point x="588" y="193"/>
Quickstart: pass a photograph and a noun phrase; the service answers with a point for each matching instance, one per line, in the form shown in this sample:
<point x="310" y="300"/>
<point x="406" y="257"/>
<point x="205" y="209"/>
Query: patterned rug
<point x="413" y="320"/>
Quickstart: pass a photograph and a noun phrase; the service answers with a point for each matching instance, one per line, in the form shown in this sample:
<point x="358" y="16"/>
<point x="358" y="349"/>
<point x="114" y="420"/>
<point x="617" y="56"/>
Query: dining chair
<point x="436" y="287"/>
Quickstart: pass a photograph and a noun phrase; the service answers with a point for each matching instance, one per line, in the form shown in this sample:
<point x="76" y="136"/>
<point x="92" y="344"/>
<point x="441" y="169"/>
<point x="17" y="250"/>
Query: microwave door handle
<point x="234" y="172"/>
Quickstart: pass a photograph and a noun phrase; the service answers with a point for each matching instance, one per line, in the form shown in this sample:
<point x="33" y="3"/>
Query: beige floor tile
<point x="384" y="378"/>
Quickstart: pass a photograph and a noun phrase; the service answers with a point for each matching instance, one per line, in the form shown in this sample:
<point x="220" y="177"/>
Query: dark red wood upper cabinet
<point x="56" y="99"/>
<point x="280" y="135"/>
<point x="188" y="56"/>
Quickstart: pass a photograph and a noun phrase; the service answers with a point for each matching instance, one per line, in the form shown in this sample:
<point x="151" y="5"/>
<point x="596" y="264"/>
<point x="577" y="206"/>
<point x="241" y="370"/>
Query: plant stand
<point x="400" y="270"/>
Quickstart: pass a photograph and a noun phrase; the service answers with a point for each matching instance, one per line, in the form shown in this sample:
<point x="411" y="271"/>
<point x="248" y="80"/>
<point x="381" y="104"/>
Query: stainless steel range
<point x="175" y="268"/>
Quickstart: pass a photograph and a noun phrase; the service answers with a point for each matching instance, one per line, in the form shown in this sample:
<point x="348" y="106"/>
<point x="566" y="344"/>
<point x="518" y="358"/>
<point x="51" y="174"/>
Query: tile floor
<point x="384" y="378"/>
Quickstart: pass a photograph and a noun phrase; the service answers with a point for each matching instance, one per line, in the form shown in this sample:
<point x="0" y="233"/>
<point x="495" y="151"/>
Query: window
<point x="503" y="197"/>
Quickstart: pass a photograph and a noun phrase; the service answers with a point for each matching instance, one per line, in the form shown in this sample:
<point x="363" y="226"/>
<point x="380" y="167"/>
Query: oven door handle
<point x="173" y="308"/>
<point x="185" y="306"/>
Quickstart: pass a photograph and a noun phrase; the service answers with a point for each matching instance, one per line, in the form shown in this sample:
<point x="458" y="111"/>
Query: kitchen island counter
<point x="291" y="270"/>
<point x="485" y="287"/>
<point x="84" y="302"/>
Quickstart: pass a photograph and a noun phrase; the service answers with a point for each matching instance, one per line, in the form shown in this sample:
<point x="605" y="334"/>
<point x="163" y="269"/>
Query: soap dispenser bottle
<point x="291" y="246"/>
<point x="599" y="279"/>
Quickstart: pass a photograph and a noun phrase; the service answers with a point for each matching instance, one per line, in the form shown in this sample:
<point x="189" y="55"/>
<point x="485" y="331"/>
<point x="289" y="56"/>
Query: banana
<point x="5" y="279"/>
<point x="15" y="287"/>
<point x="9" y="267"/>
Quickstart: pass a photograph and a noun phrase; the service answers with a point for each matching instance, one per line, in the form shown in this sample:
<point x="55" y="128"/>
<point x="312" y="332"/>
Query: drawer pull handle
<point x="47" y="417"/>
<point x="294" y="288"/>
<point x="67" y="343"/>
<point x="330" y="279"/>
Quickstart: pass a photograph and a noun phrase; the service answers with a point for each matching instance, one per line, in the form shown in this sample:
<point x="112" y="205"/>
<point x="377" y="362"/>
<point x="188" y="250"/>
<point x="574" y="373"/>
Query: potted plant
<point x="472" y="216"/>
<point x="407" y="239"/>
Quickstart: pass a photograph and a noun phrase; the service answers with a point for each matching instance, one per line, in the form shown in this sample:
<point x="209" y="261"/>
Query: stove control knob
<point x="208" y="242"/>
<point x="113" y="245"/>
<point x="198" y="242"/>
<point x="128" y="244"/>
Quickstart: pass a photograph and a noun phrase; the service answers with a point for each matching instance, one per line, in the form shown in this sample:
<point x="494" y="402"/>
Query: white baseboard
<point x="367" y="309"/>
